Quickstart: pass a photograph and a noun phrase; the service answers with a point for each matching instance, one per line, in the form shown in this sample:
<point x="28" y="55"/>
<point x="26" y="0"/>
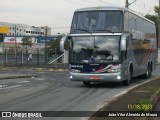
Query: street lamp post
<point x="15" y="43"/>
<point x="127" y="4"/>
<point x="158" y="27"/>
<point x="45" y="44"/>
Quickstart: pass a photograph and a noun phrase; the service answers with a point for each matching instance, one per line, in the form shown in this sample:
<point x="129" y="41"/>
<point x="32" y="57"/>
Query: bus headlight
<point x="75" y="71"/>
<point x="71" y="77"/>
<point x="118" y="77"/>
<point x="115" y="69"/>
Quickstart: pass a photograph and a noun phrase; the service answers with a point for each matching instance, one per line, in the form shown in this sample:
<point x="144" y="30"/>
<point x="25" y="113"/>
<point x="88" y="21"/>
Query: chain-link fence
<point x="23" y="57"/>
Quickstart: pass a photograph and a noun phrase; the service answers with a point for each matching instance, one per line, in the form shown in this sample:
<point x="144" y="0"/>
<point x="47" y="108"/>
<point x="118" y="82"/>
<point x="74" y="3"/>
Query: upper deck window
<point x="97" y="22"/>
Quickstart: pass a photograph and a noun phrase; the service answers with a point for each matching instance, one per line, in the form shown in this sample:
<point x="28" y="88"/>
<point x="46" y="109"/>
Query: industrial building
<point x="26" y="30"/>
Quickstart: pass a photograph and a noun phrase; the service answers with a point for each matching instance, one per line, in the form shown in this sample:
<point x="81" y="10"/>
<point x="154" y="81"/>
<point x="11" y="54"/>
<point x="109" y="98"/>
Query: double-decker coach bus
<point x="110" y="44"/>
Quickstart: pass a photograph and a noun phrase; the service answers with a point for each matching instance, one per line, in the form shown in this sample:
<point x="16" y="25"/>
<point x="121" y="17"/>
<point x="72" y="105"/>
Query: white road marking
<point x="33" y="77"/>
<point x="3" y="88"/>
<point x="23" y="82"/>
<point x="40" y="79"/>
<point x="26" y="89"/>
<point x="84" y="118"/>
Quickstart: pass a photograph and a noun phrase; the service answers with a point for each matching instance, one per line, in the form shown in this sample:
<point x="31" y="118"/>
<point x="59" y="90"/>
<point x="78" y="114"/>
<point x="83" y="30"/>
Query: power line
<point x="106" y="2"/>
<point x="91" y="2"/>
<point x="144" y="6"/>
<point x="73" y="2"/>
<point x="127" y="4"/>
<point x="83" y="3"/>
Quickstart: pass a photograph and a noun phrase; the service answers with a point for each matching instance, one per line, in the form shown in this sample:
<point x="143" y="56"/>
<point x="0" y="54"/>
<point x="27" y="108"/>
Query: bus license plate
<point x="93" y="77"/>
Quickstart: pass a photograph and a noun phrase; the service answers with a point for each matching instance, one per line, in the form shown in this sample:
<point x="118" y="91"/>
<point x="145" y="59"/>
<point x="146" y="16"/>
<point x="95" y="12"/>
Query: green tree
<point x="156" y="9"/>
<point x="154" y="18"/>
<point x="27" y="41"/>
<point x="53" y="46"/>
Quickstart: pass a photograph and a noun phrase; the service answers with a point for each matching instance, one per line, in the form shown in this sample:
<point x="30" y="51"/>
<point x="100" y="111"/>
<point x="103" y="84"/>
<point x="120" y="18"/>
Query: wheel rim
<point x="129" y="77"/>
<point x="150" y="73"/>
<point x="147" y="73"/>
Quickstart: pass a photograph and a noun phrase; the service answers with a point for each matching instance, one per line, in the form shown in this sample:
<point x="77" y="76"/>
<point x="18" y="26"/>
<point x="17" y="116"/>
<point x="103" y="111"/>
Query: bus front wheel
<point x="127" y="82"/>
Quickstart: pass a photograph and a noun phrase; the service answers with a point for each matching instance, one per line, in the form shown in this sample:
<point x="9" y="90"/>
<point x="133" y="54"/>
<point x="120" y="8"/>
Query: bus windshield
<point x="94" y="49"/>
<point x="97" y="22"/>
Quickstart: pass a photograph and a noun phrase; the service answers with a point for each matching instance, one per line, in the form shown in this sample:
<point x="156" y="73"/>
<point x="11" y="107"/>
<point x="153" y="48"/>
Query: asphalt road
<point x="53" y="91"/>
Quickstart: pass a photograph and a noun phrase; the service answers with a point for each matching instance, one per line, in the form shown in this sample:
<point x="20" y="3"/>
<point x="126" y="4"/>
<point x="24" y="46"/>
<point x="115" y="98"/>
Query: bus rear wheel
<point x="86" y="83"/>
<point x="148" y="73"/>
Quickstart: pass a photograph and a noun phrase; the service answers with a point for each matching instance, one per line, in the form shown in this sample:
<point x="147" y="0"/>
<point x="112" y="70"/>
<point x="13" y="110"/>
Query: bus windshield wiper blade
<point x="105" y="30"/>
<point x="84" y="30"/>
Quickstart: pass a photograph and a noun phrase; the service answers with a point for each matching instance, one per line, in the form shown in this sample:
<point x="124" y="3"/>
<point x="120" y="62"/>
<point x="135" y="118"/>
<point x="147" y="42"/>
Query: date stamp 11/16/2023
<point x="144" y="107"/>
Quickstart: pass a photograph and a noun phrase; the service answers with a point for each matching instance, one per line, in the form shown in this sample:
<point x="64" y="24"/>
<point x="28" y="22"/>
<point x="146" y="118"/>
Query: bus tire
<point x="127" y="82"/>
<point x="150" y="70"/>
<point x="147" y="74"/>
<point x="86" y="83"/>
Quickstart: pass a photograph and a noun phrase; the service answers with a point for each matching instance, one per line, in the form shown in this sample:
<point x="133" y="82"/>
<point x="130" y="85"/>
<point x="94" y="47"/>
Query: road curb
<point x="18" y="76"/>
<point x="49" y="70"/>
<point x="3" y="69"/>
<point x="153" y="98"/>
<point x="114" y="98"/>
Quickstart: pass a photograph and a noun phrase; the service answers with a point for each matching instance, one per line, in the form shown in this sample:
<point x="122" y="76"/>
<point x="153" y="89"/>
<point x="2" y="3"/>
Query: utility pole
<point x="46" y="44"/>
<point x="15" y="27"/>
<point x="159" y="27"/>
<point x="15" y="32"/>
<point x="126" y="4"/>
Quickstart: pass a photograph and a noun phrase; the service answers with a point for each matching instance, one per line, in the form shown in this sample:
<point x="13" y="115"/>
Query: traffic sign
<point x="4" y="29"/>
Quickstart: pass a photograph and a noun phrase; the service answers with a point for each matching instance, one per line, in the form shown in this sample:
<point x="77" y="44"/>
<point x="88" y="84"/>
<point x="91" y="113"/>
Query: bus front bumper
<point x="107" y="77"/>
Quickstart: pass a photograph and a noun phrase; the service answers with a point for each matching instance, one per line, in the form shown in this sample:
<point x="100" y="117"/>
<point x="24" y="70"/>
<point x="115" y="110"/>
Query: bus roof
<point x="112" y="8"/>
<point x="101" y="8"/>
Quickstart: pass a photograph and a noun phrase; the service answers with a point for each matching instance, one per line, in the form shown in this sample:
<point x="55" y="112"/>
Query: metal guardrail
<point x="56" y="59"/>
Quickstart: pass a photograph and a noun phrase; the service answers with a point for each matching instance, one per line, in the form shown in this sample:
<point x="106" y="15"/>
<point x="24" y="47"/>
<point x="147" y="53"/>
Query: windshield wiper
<point x="84" y="30"/>
<point x="105" y="30"/>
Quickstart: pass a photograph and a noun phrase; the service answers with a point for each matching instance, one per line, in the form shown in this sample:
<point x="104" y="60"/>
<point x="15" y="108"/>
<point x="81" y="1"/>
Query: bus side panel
<point x="142" y="45"/>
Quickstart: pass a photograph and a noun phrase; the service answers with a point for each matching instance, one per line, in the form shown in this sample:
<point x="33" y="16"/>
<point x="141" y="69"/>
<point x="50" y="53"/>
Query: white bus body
<point x="124" y="41"/>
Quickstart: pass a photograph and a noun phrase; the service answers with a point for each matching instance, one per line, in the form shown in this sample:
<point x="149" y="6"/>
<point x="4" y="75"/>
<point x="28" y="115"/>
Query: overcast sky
<point x="59" y="13"/>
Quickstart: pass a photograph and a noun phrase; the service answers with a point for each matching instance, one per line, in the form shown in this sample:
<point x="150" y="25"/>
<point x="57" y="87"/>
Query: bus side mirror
<point x="123" y="55"/>
<point x="123" y="43"/>
<point x="64" y="38"/>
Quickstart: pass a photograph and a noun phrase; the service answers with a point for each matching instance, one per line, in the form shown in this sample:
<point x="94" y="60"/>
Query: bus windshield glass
<point x="97" y="22"/>
<point x="94" y="49"/>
